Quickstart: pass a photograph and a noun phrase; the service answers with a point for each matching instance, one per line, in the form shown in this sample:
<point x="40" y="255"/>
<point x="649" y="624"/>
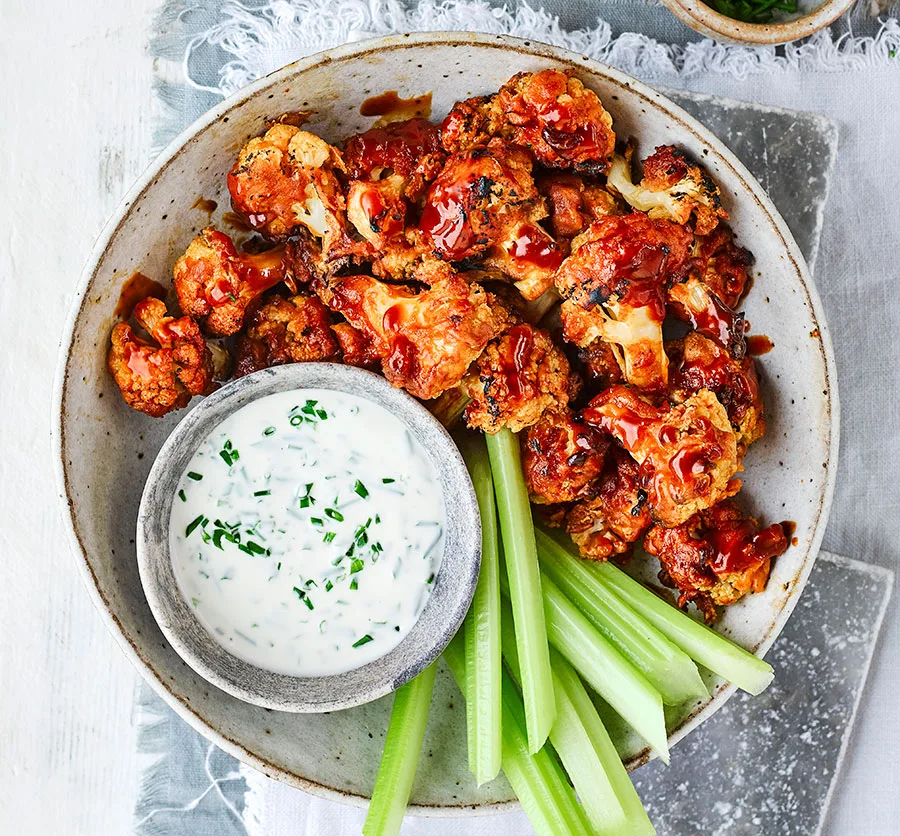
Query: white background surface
<point x="75" y="132"/>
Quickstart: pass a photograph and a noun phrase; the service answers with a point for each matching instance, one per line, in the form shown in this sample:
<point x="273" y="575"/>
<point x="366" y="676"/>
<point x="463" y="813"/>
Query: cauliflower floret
<point x="692" y="301"/>
<point x="426" y="340"/>
<point x="516" y="378"/>
<point x="484" y="203"/>
<point x="672" y="189"/>
<point x="159" y="376"/>
<point x="558" y="119"/>
<point x="562" y="458"/>
<point x="700" y="363"/>
<point x="215" y="283"/>
<point x="614" y="286"/>
<point x="285" y="180"/>
<point x="551" y="113"/>
<point x="687" y="453"/>
<point x="716" y="557"/>
<point x="293" y="330"/>
<point x="610" y="522"/>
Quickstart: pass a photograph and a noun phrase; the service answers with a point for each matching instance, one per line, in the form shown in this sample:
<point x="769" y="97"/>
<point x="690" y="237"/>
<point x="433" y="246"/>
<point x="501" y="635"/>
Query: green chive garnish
<point x="193" y="524"/>
<point x="364" y="640"/>
<point x="361" y="489"/>
<point x="195" y="476"/>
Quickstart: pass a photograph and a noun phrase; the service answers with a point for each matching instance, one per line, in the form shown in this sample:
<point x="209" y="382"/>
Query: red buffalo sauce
<point x="444" y="219"/>
<point x="142" y="359"/>
<point x="534" y="246"/>
<point x="389" y="104"/>
<point x="402" y="357"/>
<point x="759" y="344"/>
<point x="398" y="146"/>
<point x="137" y="287"/>
<point x="258" y="271"/>
<point x="516" y="360"/>
<point x="205" y="205"/>
<point x="716" y="320"/>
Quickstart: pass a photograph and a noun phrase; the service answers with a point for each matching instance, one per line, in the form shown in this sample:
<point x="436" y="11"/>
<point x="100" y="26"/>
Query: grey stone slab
<point x="768" y="764"/>
<point x="791" y="153"/>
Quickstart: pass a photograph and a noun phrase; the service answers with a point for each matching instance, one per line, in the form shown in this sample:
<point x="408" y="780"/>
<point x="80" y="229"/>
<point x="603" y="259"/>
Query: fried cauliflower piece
<point x="562" y="458"/>
<point x="355" y="347"/>
<point x="693" y="302"/>
<point x="687" y="453"/>
<point x="598" y="366"/>
<point x="426" y="340"/>
<point x="671" y="189"/>
<point x="716" y="557"/>
<point x="610" y="522"/>
<point x="390" y="168"/>
<point x="159" y="376"/>
<point x="573" y="203"/>
<point x="285" y="180"/>
<point x="216" y="284"/>
<point x="485" y="203"/>
<point x="722" y="265"/>
<point x="700" y="363"/>
<point x="516" y="378"/>
<point x="558" y="119"/>
<point x="551" y="113"/>
<point x="411" y="150"/>
<point x="292" y="330"/>
<point x="614" y="285"/>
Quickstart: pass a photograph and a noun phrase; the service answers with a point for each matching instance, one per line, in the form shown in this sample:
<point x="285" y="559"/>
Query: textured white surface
<point x="76" y="132"/>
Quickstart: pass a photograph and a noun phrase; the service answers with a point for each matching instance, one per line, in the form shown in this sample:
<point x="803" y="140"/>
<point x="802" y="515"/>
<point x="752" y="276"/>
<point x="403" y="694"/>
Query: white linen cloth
<point x="855" y="82"/>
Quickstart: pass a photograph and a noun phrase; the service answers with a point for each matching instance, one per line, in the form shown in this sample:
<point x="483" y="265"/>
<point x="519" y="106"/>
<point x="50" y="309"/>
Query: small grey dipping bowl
<point x="446" y="606"/>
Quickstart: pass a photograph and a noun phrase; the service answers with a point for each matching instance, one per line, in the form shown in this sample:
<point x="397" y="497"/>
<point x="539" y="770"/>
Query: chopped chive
<point x="195" y="601"/>
<point x="334" y="514"/>
<point x="311" y="582"/>
<point x="354" y="583"/>
<point x="261" y="493"/>
<point x="226" y="457"/>
<point x="388" y="481"/>
<point x="323" y="415"/>
<point x="306" y="501"/>
<point x="217" y="538"/>
<point x="245" y="549"/>
<point x="329" y="586"/>
<point x="278" y="567"/>
<point x="361" y="489"/>
<point x="195" y="476"/>
<point x="193" y="524"/>
<point x="377" y="518"/>
<point x="328" y="537"/>
<point x="255" y="548"/>
<point x="304" y="597"/>
<point x="356" y="565"/>
<point x="268" y="430"/>
<point x="317" y="521"/>
<point x="181" y="496"/>
<point x="349" y="552"/>
<point x="296" y="420"/>
<point x="364" y="640"/>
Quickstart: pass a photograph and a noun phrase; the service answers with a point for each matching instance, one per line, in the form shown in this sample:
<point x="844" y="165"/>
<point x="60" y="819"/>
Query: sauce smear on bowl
<point x="307" y="531"/>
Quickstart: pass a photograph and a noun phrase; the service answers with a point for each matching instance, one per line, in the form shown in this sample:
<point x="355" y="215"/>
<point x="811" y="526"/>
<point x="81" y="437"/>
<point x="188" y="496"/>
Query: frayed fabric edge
<point x="263" y="38"/>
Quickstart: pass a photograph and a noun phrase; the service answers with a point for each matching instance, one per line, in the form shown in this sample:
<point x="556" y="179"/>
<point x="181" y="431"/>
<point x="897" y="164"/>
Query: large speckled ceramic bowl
<point x="105" y="449"/>
<point x="446" y="606"/>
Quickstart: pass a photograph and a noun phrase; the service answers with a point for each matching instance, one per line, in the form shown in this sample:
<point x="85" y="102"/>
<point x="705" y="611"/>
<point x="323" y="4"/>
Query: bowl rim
<point x="713" y="23"/>
<point x="354" y="50"/>
<point x="444" y="609"/>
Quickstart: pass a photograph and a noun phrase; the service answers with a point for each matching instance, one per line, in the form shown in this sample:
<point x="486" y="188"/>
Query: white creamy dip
<point x="307" y="532"/>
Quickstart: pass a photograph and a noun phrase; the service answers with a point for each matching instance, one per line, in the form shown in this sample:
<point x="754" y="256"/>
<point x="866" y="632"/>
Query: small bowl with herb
<point x="761" y="22"/>
<point x="308" y="538"/>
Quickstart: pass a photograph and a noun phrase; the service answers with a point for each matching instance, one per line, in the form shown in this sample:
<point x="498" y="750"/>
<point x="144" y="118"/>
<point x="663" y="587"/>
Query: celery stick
<point x="570" y="683"/>
<point x="665" y="666"/>
<point x="401" y="754"/>
<point x="607" y="671"/>
<point x="575" y="748"/>
<point x="538" y="780"/>
<point x="705" y="646"/>
<point x="517" y="531"/>
<point x="483" y="664"/>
